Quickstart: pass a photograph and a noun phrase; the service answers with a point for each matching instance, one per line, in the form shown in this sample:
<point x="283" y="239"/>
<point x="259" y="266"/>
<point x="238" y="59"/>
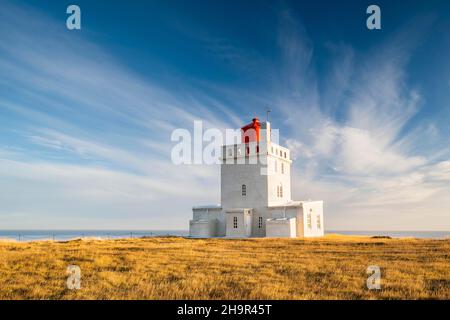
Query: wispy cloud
<point x="361" y="158"/>
<point x="94" y="136"/>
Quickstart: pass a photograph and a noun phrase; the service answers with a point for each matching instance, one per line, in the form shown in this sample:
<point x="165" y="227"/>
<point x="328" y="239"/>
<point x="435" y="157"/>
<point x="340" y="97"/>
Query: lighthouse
<point x="256" y="193"/>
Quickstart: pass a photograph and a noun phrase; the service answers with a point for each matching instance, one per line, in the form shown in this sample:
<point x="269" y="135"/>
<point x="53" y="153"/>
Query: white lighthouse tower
<point x="256" y="193"/>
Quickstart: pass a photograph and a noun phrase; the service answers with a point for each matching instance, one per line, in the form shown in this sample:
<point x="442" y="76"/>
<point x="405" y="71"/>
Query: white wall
<point x="281" y="228"/>
<point x="300" y="224"/>
<point x="278" y="177"/>
<point x="233" y="176"/>
<point x="201" y="229"/>
<point x="315" y="210"/>
<point x="243" y="223"/>
<point x="261" y="188"/>
<point x="212" y="214"/>
<point x="290" y="212"/>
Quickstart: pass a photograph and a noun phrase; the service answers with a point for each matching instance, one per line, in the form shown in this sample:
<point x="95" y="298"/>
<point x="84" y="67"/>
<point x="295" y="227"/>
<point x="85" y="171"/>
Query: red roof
<point x="251" y="131"/>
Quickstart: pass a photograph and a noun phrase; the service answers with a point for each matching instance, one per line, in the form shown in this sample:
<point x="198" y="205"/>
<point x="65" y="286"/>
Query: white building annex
<point x="256" y="193"/>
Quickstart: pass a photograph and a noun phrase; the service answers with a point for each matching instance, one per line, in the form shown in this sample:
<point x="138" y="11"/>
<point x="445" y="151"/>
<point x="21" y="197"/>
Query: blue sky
<point x="86" y="115"/>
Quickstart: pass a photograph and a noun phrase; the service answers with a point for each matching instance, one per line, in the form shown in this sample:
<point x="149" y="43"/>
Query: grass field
<point x="333" y="267"/>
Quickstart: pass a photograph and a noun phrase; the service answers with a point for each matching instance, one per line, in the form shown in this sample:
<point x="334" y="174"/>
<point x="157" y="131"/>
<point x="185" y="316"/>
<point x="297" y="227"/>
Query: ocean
<point x="397" y="234"/>
<point x="61" y="235"/>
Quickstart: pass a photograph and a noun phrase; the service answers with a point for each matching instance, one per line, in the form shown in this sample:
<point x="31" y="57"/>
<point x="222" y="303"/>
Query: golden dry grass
<point x="333" y="267"/>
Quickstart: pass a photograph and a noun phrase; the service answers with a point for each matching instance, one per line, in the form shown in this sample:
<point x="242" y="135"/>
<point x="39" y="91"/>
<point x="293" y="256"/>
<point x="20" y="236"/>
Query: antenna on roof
<point x="267" y="114"/>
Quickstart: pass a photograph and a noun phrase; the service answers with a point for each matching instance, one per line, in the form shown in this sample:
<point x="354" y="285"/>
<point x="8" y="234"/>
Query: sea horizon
<point x="67" y="234"/>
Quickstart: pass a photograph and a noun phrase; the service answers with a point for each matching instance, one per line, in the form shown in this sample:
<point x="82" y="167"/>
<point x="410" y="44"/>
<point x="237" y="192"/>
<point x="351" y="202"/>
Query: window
<point x="244" y="190"/>
<point x="235" y="222"/>
<point x="279" y="191"/>
<point x="247" y="150"/>
<point x="260" y="222"/>
<point x="271" y="149"/>
<point x="308" y="219"/>
<point x="282" y="167"/>
<point x="239" y="151"/>
<point x="230" y="152"/>
<point x="319" y="225"/>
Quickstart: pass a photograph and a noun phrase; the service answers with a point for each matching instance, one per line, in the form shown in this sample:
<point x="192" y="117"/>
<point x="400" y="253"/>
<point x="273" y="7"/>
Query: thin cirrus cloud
<point x="87" y="141"/>
<point x="366" y="163"/>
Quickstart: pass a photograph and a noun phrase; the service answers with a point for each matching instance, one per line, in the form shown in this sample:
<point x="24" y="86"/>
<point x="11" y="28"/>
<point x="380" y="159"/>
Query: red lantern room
<point x="251" y="132"/>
